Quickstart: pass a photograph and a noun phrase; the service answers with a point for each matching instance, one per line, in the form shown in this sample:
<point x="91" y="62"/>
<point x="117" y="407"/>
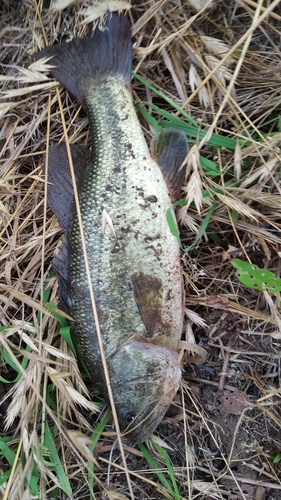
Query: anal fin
<point x="169" y="149"/>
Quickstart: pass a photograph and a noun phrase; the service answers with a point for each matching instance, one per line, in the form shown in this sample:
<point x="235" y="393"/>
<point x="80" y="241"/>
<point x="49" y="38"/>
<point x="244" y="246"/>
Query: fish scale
<point x="135" y="260"/>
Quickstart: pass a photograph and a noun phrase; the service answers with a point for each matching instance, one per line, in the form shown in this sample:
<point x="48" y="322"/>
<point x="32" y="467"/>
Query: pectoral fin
<point x="169" y="149"/>
<point x="60" y="188"/>
<point x="148" y="293"/>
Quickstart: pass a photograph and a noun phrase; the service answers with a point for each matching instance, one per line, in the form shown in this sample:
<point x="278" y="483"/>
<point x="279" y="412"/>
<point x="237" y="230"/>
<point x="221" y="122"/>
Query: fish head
<point x="145" y="378"/>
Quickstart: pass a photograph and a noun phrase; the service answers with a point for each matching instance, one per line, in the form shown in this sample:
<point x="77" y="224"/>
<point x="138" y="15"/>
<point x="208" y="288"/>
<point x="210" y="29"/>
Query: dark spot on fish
<point x="169" y="295"/>
<point x="136" y="234"/>
<point x="126" y="415"/>
<point x="147" y="239"/>
<point x="103" y="316"/>
<point x="125" y="118"/>
<point x="140" y="190"/>
<point x="126" y="229"/>
<point x="105" y="196"/>
<point x="157" y="250"/>
<point x="152" y="369"/>
<point x="151" y="199"/>
<point x="117" y="247"/>
<point x="129" y="148"/>
<point x="140" y="389"/>
<point x="112" y="189"/>
<point x="117" y="170"/>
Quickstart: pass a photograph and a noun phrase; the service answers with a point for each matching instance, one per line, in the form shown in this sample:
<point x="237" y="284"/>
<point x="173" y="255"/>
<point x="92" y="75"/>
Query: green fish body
<point x="134" y="259"/>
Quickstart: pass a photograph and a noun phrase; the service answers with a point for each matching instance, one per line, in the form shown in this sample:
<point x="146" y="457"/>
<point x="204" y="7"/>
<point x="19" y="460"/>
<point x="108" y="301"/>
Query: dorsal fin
<point x="60" y="196"/>
<point x="60" y="189"/>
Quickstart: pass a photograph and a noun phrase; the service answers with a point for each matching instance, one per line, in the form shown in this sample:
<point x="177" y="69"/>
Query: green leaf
<point x="216" y="140"/>
<point x="54" y="457"/>
<point x="209" y="167"/>
<point x="46" y="295"/>
<point x="203" y="227"/>
<point x="53" y="308"/>
<point x="167" y="99"/>
<point x="94" y="438"/>
<point x="6" y="452"/>
<point x="98" y="430"/>
<point x="65" y="332"/>
<point x="251" y="276"/>
<point x="165" y="455"/>
<point x="5" y="476"/>
<point x="33" y="480"/>
<point x="279" y="123"/>
<point x="215" y="238"/>
<point x="234" y="215"/>
<point x="173" y="225"/>
<point x="155" y="467"/>
<point x="7" y="358"/>
<point x="148" y="117"/>
<point x="277" y="459"/>
<point x="174" y="228"/>
<point x="49" y="398"/>
<point x="172" y="121"/>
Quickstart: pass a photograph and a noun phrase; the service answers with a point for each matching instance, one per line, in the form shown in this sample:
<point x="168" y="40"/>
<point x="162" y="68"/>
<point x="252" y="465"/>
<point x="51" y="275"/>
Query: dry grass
<point x="220" y="62"/>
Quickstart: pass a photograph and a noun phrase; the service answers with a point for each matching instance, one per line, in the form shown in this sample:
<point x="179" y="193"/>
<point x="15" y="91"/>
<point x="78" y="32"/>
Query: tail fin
<point x="106" y="53"/>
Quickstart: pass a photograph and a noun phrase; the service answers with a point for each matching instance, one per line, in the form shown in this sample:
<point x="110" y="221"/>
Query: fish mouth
<point x="145" y="389"/>
<point x="142" y="427"/>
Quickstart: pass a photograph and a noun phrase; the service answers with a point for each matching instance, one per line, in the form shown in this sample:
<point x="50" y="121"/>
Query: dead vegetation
<point x="218" y="61"/>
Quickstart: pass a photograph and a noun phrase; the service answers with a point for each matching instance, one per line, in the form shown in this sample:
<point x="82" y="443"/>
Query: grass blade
<point x="54" y="457"/>
<point x="165" y="455"/>
<point x="167" y="99"/>
<point x="155" y="467"/>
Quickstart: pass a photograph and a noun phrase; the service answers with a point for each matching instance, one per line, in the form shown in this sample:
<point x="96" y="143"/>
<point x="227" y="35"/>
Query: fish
<point x="134" y="259"/>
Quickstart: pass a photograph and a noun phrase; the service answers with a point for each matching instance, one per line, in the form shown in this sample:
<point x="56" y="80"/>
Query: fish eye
<point x="126" y="415"/>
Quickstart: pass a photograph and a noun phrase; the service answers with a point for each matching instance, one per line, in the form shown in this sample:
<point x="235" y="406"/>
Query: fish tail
<point x="88" y="62"/>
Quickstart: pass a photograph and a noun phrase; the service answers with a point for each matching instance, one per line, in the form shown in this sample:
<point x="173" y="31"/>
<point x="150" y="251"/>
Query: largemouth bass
<point x="134" y="259"/>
